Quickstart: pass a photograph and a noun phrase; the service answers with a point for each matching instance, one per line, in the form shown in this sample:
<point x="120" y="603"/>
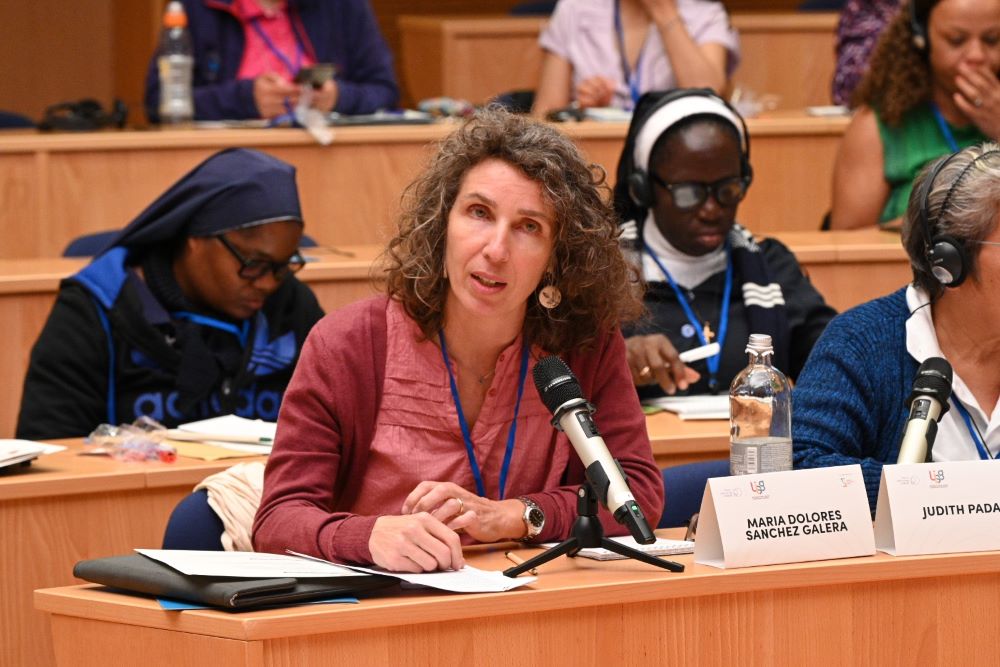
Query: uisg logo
<point x="936" y="476"/>
<point x="758" y="487"/>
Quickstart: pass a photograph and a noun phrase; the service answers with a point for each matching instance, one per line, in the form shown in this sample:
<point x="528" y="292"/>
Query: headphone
<point x="84" y="115"/>
<point x="918" y="27"/>
<point x="669" y="109"/>
<point x="947" y="256"/>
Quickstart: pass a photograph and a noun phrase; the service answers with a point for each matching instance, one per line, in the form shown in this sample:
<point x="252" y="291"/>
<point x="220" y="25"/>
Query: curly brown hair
<point x="597" y="284"/>
<point x="899" y="74"/>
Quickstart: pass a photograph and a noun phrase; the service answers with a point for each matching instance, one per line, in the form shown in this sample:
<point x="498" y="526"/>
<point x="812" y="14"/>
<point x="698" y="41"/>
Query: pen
<point x="517" y="560"/>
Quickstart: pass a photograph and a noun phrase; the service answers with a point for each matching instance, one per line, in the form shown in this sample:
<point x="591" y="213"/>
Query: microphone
<point x="928" y="403"/>
<point x="561" y="393"/>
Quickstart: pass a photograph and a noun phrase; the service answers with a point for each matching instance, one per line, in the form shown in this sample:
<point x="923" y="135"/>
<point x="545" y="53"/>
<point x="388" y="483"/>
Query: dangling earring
<point x="444" y="272"/>
<point x="549" y="296"/>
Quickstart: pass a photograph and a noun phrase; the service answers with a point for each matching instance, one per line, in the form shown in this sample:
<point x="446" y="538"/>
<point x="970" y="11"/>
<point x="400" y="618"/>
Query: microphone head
<point x="933" y="379"/>
<point x="556" y="383"/>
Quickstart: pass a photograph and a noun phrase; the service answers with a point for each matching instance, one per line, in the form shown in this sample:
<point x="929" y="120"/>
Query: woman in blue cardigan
<point x="850" y="403"/>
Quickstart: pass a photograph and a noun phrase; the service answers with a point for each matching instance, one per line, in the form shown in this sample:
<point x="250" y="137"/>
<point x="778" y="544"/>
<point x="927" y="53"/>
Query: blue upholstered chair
<point x="194" y="525"/>
<point x="684" y="486"/>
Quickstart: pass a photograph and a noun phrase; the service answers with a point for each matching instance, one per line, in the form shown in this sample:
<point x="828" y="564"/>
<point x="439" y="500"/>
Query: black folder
<point x="140" y="574"/>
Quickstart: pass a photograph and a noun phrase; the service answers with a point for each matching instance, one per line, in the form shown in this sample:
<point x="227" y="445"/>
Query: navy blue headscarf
<point x="232" y="189"/>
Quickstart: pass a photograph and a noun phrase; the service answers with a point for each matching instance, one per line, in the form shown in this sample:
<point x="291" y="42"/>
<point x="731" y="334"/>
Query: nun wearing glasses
<point x="681" y="176"/>
<point x="191" y="312"/>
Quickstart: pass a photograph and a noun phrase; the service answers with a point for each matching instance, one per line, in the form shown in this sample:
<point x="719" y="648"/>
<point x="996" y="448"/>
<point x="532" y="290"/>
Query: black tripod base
<point x="571" y="547"/>
<point x="588" y="533"/>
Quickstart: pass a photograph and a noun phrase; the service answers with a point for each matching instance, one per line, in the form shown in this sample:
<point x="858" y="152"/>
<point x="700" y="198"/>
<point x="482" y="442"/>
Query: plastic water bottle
<point x="760" y="414"/>
<point x="175" y="61"/>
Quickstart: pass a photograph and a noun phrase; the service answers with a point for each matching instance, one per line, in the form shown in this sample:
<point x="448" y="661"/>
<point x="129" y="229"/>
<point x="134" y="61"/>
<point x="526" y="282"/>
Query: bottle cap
<point x="760" y="343"/>
<point x="174" y="16"/>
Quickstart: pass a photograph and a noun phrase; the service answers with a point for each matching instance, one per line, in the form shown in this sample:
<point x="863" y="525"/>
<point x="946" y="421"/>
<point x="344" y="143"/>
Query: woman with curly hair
<point x="408" y="426"/>
<point x="932" y="89"/>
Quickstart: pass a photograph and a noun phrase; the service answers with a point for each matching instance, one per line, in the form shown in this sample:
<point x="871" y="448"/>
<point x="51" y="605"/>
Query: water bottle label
<point x="751" y="456"/>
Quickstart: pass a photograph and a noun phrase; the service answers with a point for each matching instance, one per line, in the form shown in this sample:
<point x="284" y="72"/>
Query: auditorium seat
<point x="684" y="486"/>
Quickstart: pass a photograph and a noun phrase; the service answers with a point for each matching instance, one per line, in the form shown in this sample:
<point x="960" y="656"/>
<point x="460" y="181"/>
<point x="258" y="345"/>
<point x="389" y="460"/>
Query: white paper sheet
<point x="229" y="428"/>
<point x="661" y="547"/>
<point x="244" y="564"/>
<point x="18" y="451"/>
<point x="694" y="407"/>
<point x="467" y="580"/>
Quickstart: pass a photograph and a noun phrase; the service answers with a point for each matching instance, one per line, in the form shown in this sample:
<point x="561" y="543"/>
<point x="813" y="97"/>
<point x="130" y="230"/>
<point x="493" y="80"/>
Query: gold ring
<point x="461" y="506"/>
<point x="645" y="370"/>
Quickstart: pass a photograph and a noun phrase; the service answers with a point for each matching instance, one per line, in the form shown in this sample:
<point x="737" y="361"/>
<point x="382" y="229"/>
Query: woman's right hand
<point x="654" y="358"/>
<point x="415" y="543"/>
<point x="273" y="95"/>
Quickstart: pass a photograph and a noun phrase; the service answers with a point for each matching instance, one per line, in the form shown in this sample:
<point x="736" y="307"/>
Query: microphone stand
<point x="588" y="533"/>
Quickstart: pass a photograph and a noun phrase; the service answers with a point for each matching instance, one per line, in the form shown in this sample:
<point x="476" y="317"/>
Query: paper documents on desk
<point x="467" y="580"/>
<point x="247" y="564"/>
<point x="661" y="547"/>
<point x="246" y="435"/>
<point x="19" y="451"/>
<point x="693" y="407"/>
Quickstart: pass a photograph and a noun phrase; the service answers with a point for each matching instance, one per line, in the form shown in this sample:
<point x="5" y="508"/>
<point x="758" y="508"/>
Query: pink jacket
<point x="327" y="423"/>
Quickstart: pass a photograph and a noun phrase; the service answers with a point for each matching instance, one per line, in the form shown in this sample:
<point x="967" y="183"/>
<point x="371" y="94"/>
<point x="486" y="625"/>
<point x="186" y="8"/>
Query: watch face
<point x="535" y="517"/>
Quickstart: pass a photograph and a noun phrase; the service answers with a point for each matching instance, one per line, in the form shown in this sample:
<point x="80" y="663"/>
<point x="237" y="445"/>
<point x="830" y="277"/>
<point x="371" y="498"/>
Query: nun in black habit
<point x="193" y="311"/>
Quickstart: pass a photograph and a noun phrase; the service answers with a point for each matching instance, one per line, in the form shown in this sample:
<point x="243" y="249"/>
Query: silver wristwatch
<point x="534" y="518"/>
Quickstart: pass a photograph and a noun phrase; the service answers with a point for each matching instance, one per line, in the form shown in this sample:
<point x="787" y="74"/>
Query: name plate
<point x="784" y="517"/>
<point x="938" y="508"/>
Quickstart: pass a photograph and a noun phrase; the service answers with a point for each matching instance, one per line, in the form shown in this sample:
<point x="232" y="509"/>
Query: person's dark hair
<point x="971" y="213"/>
<point x="899" y="74"/>
<point x="588" y="268"/>
<point x="659" y="148"/>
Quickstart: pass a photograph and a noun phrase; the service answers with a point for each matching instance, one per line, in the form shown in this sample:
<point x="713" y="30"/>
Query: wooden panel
<point x="850" y="612"/>
<point x="790" y="57"/>
<point x="65" y="508"/>
<point x="457" y="56"/>
<point x="53" y="51"/>
<point x="85" y="643"/>
<point x="135" y="32"/>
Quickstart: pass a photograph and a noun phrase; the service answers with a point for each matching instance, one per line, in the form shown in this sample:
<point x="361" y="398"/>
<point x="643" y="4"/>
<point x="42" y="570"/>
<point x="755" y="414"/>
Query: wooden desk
<point x="55" y="187"/>
<point x="787" y="55"/>
<point x="876" y="610"/>
<point x="676" y="441"/>
<point x="65" y="508"/>
<point x="847" y="267"/>
<point x="28" y="289"/>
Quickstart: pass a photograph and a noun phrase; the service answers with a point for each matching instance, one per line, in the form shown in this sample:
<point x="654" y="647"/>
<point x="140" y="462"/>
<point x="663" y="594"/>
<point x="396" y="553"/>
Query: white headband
<point x="672" y="113"/>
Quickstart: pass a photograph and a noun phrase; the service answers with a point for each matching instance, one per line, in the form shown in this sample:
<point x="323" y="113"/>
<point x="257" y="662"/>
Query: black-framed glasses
<point x="252" y="269"/>
<point x="687" y="196"/>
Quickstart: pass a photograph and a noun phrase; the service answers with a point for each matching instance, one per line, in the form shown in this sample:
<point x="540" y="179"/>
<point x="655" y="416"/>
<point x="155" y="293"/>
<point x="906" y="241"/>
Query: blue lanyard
<point x="727" y="291"/>
<point x="292" y="68"/>
<point x="241" y="332"/>
<point x="464" y="425"/>
<point x="631" y="78"/>
<point x="984" y="453"/>
<point x="949" y="138"/>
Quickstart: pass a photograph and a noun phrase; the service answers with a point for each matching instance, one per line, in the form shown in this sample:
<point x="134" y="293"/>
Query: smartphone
<point x="316" y="75"/>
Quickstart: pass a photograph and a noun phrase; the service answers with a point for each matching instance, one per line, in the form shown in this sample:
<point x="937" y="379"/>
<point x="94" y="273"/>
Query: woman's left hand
<point x="978" y="97"/>
<point x="659" y="10"/>
<point x="325" y="98"/>
<point x="481" y="519"/>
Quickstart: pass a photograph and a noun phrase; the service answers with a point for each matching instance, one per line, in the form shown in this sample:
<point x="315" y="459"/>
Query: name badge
<point x="938" y="508"/>
<point x="784" y="517"/>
